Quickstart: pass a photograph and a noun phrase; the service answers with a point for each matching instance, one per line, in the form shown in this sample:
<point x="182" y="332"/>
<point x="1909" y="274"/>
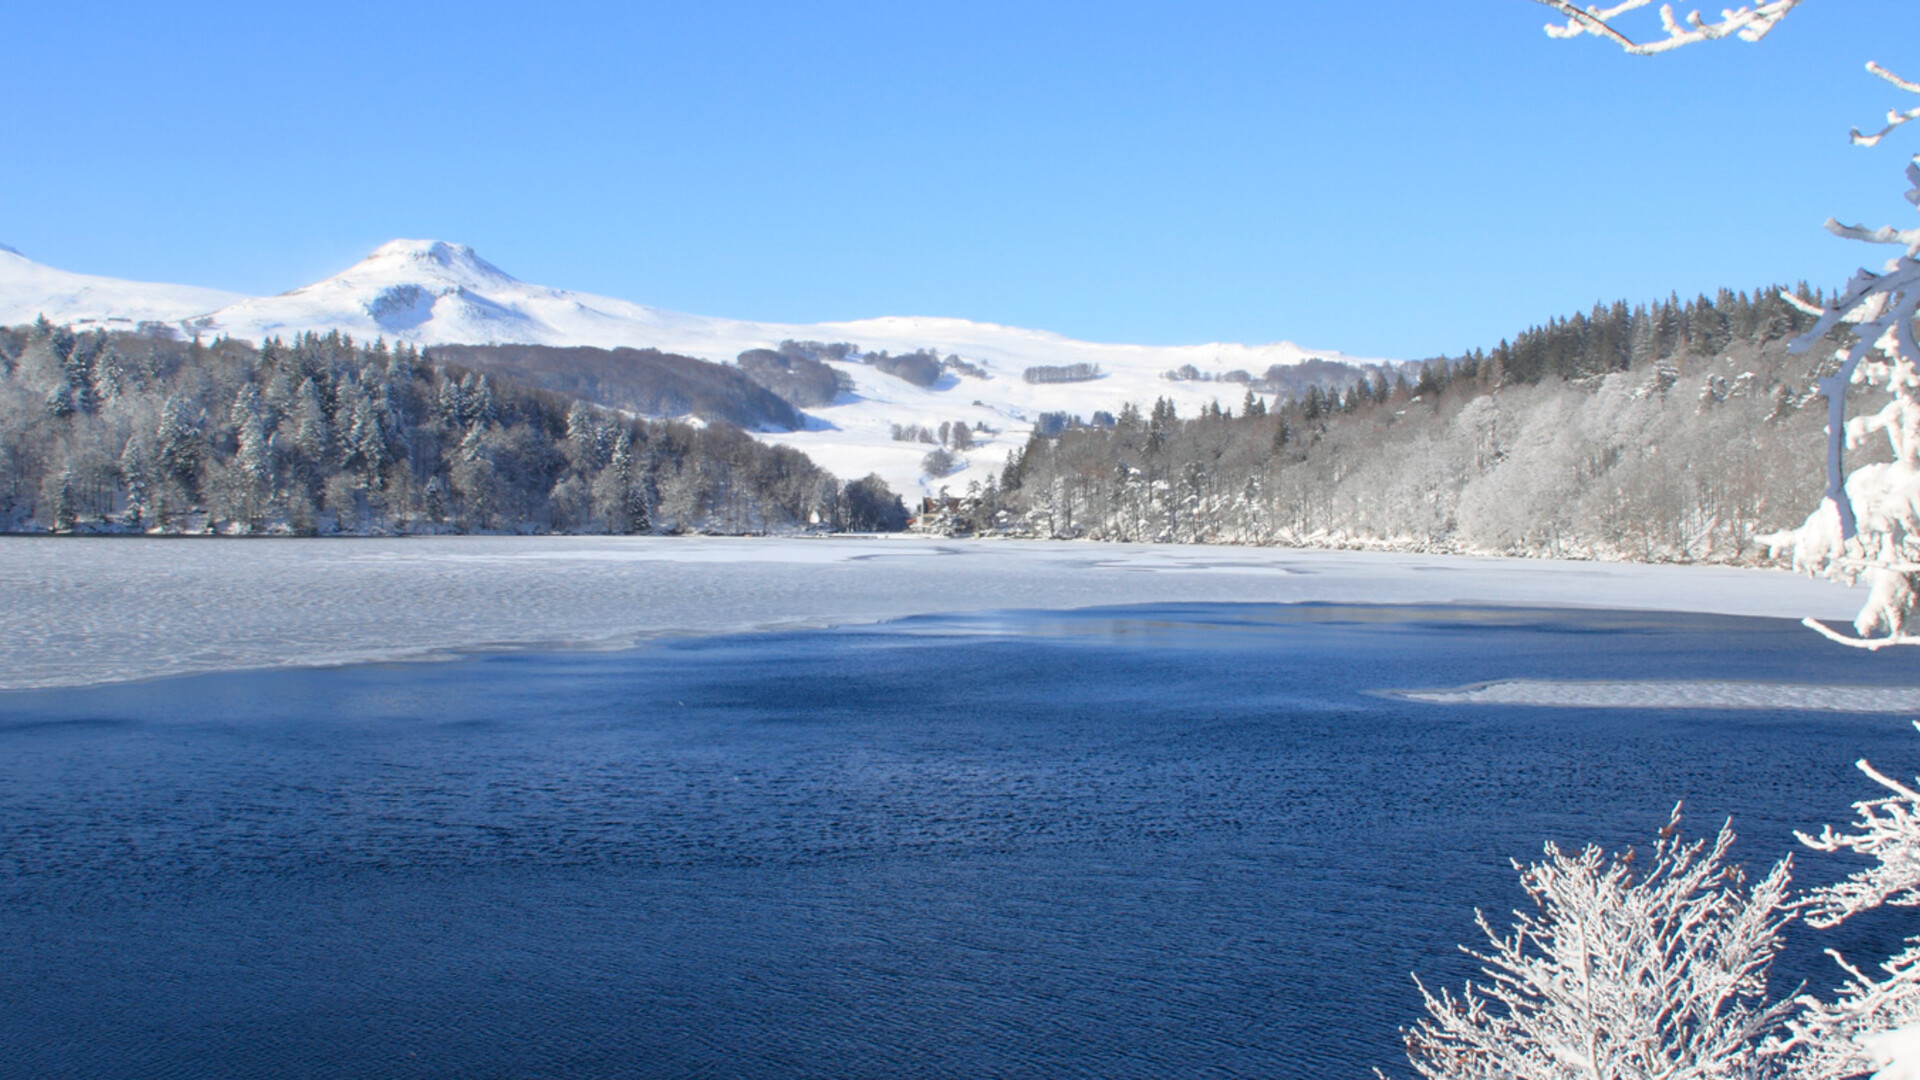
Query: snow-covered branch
<point x="1887" y="830"/>
<point x="1746" y="23"/>
<point x="1869" y="644"/>
<point x="1894" y="116"/>
<point x="1613" y="975"/>
<point x="1885" y="234"/>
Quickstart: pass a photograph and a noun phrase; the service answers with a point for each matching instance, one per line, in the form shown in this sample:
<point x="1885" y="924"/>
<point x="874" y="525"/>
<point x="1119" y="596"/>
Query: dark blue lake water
<point x="1151" y="842"/>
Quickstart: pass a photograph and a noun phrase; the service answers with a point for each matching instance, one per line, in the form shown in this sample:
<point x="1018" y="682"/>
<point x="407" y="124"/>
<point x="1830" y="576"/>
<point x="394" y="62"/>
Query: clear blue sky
<point x="1391" y="179"/>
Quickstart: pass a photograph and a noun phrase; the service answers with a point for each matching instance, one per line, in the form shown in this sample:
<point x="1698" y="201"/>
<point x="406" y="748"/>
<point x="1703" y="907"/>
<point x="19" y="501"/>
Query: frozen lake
<point x="78" y="611"/>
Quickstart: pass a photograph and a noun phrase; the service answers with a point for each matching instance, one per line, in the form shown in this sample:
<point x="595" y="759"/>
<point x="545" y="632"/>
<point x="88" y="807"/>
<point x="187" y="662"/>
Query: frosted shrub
<point x="1873" y="1023"/>
<point x="1618" y="975"/>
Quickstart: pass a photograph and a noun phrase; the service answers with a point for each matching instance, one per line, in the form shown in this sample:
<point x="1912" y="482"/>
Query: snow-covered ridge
<point x="29" y="290"/>
<point x="431" y="292"/>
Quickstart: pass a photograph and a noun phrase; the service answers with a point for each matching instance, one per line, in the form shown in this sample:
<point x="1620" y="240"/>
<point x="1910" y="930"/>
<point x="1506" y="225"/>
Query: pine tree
<point x="63" y="515"/>
<point x="179" y="446"/>
<point x="135" y="478"/>
<point x="313" y="435"/>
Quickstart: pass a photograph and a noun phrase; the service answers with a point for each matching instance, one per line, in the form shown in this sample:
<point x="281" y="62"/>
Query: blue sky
<point x="1392" y="179"/>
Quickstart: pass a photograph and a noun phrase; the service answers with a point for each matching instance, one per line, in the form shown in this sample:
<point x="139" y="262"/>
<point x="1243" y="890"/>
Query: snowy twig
<point x="1805" y="307"/>
<point x="1885" y="234"/>
<point x="1894" y="117"/>
<point x="1748" y="24"/>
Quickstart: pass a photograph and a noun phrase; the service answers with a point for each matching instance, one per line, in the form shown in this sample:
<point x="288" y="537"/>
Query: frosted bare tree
<point x="1868" y="526"/>
<point x="1873" y="1023"/>
<point x="1617" y="975"/>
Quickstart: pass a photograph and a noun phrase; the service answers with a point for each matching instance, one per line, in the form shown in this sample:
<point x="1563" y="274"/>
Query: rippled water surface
<point x="1147" y="842"/>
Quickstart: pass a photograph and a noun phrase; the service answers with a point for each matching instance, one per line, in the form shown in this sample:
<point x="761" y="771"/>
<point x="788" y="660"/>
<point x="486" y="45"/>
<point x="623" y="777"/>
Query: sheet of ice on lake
<point x="1679" y="695"/>
<point x="78" y="611"/>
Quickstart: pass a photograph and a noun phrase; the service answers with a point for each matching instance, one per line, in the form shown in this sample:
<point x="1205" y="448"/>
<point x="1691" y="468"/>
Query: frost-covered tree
<point x="137" y="479"/>
<point x="1620" y="971"/>
<point x="1874" y="1022"/>
<point x="938" y="462"/>
<point x="1865" y="527"/>
<point x="1869" y="523"/>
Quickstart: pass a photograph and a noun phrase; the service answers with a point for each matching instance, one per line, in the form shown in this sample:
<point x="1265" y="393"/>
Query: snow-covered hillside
<point x="436" y="293"/>
<point x="29" y="290"/>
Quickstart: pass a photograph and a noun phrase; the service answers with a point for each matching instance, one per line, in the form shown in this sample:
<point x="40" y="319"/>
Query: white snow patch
<point x="1678" y="695"/>
<point x="1896" y="1053"/>
<point x="80" y="612"/>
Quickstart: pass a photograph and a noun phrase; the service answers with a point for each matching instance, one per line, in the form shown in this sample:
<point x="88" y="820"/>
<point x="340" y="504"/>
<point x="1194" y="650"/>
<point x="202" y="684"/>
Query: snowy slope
<point x="29" y="290"/>
<point x="435" y="293"/>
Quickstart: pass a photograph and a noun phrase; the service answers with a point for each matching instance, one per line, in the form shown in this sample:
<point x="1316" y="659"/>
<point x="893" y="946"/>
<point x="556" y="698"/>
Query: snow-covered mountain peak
<point x="427" y="291"/>
<point x="11" y="250"/>
<point x="453" y="264"/>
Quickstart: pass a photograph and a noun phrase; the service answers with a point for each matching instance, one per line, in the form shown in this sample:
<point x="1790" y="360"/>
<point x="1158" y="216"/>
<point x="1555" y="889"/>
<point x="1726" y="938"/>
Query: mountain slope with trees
<point x="1672" y="431"/>
<point x="144" y="432"/>
<point x="644" y="381"/>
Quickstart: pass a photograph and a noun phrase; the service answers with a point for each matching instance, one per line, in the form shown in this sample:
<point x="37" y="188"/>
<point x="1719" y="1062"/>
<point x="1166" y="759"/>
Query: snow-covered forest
<point x="144" y="432"/>
<point x="1672" y="431"/>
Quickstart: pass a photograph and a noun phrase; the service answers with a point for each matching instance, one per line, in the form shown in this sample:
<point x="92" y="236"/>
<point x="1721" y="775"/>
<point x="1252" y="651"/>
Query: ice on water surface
<point x="1679" y="695"/>
<point x="77" y="611"/>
